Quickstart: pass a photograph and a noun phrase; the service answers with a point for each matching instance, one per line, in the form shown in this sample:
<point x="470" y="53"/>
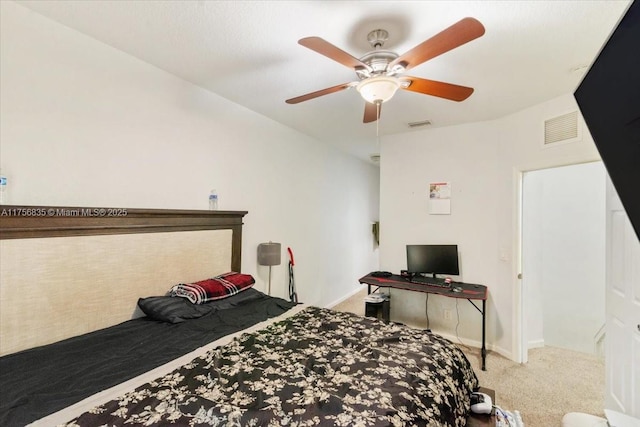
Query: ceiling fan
<point x="380" y="71"/>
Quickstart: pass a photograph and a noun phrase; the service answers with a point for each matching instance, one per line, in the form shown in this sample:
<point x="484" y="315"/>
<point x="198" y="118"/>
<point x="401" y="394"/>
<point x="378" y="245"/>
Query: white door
<point x="623" y="310"/>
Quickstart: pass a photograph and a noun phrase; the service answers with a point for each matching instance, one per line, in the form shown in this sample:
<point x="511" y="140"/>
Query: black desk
<point x="469" y="291"/>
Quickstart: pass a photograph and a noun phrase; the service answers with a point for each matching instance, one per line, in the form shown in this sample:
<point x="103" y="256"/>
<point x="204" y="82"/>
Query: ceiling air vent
<point x="419" y="124"/>
<point x="561" y="129"/>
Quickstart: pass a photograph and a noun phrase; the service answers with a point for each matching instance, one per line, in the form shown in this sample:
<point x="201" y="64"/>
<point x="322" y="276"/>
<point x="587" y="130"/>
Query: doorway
<point x="563" y="258"/>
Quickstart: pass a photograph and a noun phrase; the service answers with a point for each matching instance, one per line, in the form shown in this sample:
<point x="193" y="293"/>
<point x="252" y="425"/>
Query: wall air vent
<point x="561" y="129"/>
<point x="419" y="124"/>
<point x="375" y="158"/>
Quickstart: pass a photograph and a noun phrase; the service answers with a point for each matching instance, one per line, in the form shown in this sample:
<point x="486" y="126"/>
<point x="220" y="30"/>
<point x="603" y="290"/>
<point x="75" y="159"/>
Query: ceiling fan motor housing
<point x="379" y="61"/>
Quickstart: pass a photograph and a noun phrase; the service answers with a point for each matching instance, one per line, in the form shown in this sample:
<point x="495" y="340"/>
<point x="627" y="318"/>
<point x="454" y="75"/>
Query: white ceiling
<point x="247" y="52"/>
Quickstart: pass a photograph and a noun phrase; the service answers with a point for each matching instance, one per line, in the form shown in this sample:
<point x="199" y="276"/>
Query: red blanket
<point x="219" y="287"/>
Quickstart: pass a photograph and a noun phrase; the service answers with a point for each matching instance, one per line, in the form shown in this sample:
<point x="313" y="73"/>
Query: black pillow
<point x="172" y="309"/>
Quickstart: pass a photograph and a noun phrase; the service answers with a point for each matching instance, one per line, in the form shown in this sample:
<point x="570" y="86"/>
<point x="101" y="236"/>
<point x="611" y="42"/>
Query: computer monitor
<point x="433" y="259"/>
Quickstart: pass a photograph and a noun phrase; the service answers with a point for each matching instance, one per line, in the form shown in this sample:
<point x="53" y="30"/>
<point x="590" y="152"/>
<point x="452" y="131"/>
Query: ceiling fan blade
<point x="371" y="112"/>
<point x="456" y="35"/>
<point x="318" y="93"/>
<point x="325" y="48"/>
<point x="439" y="89"/>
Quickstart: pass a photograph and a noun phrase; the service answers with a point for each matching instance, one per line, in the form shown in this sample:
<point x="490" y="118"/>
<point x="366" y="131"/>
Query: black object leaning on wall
<point x="609" y="99"/>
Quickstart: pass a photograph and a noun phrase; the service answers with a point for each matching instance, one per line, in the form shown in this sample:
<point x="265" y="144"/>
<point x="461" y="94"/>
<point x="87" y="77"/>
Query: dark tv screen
<point x="433" y="259"/>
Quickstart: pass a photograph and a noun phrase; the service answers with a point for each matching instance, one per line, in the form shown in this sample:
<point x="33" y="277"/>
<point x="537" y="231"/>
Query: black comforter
<point x="37" y="382"/>
<point x="317" y="367"/>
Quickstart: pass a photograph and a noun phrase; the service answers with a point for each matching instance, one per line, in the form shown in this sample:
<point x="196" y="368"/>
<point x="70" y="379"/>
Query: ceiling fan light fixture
<point x="378" y="89"/>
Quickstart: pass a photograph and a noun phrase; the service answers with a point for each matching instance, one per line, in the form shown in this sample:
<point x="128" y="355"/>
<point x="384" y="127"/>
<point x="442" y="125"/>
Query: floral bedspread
<point x="317" y="367"/>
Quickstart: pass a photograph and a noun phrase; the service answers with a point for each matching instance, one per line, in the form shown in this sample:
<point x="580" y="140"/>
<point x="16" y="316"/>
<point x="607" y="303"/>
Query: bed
<point x="101" y="342"/>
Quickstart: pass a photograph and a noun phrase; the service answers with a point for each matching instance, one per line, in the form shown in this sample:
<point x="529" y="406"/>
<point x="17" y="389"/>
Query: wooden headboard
<point x="65" y="271"/>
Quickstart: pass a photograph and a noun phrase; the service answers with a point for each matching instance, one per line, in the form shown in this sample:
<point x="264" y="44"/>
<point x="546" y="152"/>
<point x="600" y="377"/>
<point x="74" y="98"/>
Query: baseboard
<point x="536" y="344"/>
<point x="476" y="344"/>
<point x="346" y="297"/>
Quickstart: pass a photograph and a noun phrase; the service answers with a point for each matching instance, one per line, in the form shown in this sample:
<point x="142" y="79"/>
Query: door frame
<point x="520" y="340"/>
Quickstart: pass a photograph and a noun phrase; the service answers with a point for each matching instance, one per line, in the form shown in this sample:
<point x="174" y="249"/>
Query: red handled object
<point x="293" y="296"/>
<point x="291" y="256"/>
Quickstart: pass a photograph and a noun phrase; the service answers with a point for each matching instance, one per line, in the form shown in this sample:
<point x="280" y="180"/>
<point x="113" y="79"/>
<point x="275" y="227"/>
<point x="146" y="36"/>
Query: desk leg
<point x="484" y="348"/>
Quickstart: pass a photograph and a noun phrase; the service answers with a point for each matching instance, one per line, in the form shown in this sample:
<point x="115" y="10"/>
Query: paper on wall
<point x="440" y="198"/>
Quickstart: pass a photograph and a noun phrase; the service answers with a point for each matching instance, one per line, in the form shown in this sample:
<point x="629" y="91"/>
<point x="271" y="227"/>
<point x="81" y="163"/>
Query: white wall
<point x="483" y="162"/>
<point x="564" y="255"/>
<point x="83" y="124"/>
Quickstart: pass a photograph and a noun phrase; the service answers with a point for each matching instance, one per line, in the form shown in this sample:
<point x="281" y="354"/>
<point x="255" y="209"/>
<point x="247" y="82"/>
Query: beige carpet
<point x="554" y="381"/>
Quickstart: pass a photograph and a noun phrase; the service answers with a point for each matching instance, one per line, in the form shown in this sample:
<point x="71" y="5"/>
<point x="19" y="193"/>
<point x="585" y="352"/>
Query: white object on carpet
<point x="617" y="419"/>
<point x="577" y="419"/>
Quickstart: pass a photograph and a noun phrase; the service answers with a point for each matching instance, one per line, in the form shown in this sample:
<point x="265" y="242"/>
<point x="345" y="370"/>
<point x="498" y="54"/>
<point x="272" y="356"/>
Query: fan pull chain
<point x="378" y="120"/>
<point x="378" y="125"/>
